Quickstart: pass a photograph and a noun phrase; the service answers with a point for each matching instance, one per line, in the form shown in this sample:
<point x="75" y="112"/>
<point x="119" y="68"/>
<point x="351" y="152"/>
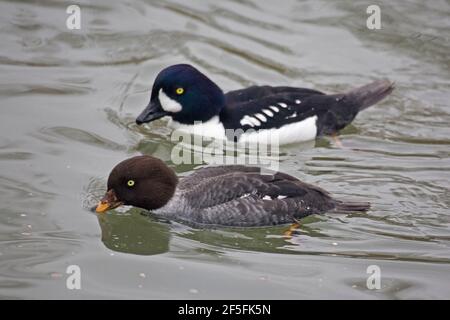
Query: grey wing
<point x="200" y="175"/>
<point x="252" y="211"/>
<point x="250" y="199"/>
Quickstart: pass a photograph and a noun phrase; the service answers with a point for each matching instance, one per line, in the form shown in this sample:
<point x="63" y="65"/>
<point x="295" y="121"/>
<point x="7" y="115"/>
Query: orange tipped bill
<point x="108" y="202"/>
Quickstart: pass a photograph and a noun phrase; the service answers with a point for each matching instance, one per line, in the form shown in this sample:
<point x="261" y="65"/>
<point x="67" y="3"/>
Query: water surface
<point x="69" y="100"/>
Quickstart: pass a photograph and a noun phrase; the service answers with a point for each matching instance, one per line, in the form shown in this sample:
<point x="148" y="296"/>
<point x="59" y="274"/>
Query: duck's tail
<point x="351" y="206"/>
<point x="371" y="93"/>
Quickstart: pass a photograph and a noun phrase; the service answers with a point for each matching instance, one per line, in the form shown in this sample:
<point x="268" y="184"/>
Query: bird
<point x="195" y="104"/>
<point x="227" y="196"/>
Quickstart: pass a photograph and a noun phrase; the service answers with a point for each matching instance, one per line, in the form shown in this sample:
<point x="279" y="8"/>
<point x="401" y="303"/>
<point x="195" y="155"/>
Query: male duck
<point x="195" y="104"/>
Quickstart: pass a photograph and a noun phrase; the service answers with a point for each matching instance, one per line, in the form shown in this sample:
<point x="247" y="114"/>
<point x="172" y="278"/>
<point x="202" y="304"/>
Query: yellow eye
<point x="179" y="91"/>
<point x="130" y="183"/>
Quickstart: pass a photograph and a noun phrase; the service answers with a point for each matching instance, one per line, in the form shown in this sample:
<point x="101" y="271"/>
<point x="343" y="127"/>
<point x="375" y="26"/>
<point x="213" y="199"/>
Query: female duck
<point x="237" y="196"/>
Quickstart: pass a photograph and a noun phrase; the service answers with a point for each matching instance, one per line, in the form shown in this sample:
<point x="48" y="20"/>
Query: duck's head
<point x="142" y="181"/>
<point x="184" y="94"/>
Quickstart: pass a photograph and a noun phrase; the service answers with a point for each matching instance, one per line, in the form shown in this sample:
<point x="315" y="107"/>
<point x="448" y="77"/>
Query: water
<point x="68" y="104"/>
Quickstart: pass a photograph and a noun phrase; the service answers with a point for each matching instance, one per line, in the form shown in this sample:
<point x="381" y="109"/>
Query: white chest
<point x="211" y="128"/>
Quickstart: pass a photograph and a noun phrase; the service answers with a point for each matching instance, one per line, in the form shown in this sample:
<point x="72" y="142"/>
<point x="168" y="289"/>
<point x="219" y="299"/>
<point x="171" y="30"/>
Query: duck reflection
<point x="134" y="233"/>
<point x="142" y="234"/>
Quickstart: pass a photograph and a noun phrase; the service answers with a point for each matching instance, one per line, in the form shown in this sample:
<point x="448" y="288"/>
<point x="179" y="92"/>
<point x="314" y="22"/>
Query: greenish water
<point x="69" y="99"/>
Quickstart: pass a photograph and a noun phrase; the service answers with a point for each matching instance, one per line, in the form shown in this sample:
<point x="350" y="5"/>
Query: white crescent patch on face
<point x="167" y="103"/>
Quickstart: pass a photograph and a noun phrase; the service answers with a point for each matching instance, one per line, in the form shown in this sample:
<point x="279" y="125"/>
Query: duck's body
<point x="254" y="113"/>
<point x="236" y="196"/>
<point x="243" y="197"/>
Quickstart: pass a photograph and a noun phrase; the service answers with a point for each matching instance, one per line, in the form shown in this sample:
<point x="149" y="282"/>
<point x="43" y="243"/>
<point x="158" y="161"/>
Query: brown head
<point x="142" y="181"/>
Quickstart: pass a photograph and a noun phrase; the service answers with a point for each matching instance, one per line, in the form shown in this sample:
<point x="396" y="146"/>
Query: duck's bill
<point x="151" y="113"/>
<point x="108" y="202"/>
<point x="103" y="207"/>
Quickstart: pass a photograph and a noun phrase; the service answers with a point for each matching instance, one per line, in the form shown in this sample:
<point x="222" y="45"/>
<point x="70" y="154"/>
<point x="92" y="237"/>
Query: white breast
<point x="211" y="128"/>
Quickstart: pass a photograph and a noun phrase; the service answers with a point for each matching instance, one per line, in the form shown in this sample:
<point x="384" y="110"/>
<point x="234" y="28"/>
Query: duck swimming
<point x="195" y="104"/>
<point x="235" y="195"/>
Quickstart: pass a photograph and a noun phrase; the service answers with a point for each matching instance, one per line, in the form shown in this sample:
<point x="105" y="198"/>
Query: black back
<point x="333" y="111"/>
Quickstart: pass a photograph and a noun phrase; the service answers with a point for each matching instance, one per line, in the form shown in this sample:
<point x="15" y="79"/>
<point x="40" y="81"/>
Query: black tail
<point x="371" y="93"/>
<point x="351" y="206"/>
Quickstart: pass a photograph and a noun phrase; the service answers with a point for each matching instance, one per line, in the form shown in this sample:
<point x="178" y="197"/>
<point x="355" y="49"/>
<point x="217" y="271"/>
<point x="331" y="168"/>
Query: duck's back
<point x="242" y="196"/>
<point x="302" y="113"/>
<point x="237" y="97"/>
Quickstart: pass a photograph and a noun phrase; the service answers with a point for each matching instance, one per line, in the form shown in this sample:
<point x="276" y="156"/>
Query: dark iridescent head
<point x="184" y="94"/>
<point x="142" y="181"/>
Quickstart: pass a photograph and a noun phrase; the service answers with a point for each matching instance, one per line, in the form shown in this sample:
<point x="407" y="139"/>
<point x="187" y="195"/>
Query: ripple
<point x="56" y="89"/>
<point x="82" y="136"/>
<point x="69" y="101"/>
<point x="18" y="155"/>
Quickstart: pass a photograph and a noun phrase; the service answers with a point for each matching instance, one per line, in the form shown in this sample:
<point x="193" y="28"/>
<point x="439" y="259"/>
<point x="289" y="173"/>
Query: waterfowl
<point x="235" y="196"/>
<point x="195" y="104"/>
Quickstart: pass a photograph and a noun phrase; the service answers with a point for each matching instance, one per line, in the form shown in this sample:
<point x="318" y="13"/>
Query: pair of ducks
<point x="235" y="195"/>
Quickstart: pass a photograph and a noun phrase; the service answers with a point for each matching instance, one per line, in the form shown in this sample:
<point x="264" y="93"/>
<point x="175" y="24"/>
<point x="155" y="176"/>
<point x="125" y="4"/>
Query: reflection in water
<point x="139" y="233"/>
<point x="286" y="238"/>
<point x="135" y="233"/>
<point x="69" y="103"/>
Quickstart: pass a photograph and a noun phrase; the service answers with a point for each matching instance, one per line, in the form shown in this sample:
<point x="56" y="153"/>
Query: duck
<point x="227" y="196"/>
<point x="196" y="105"/>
